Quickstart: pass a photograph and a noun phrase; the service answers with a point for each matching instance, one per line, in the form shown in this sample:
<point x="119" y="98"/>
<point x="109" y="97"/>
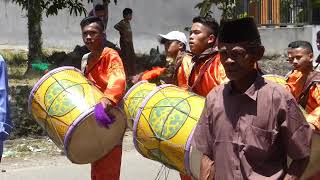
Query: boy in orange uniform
<point x="207" y="71"/>
<point x="178" y="60"/>
<point x="104" y="68"/>
<point x="303" y="82"/>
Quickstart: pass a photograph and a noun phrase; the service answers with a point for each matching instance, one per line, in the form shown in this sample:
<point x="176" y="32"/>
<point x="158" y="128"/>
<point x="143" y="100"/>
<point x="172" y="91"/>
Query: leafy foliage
<point x="35" y="9"/>
<point x="22" y="121"/>
<point x="228" y="8"/>
<point x="51" y="7"/>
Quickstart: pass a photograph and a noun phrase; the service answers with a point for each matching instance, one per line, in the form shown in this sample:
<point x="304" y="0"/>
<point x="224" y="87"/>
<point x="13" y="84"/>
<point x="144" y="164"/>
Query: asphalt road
<point x="134" y="167"/>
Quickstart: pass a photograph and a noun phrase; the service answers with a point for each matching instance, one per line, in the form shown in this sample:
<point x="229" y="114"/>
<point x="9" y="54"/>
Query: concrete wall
<point x="276" y="40"/>
<point x="150" y="18"/>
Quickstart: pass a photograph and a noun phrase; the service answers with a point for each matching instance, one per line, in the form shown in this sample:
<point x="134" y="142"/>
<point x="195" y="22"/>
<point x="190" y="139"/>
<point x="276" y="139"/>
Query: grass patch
<point x="17" y="62"/>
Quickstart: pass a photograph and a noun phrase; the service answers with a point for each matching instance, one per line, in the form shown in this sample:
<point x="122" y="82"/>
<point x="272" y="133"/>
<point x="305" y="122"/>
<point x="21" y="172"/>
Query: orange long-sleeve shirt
<point x="213" y="76"/>
<point x="107" y="74"/>
<point x="183" y="71"/>
<point x="295" y="84"/>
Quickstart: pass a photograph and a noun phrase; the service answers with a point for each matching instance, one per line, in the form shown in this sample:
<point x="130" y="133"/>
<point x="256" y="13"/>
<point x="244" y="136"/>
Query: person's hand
<point x="101" y="113"/>
<point x="136" y="78"/>
<point x="313" y="127"/>
<point x="106" y="103"/>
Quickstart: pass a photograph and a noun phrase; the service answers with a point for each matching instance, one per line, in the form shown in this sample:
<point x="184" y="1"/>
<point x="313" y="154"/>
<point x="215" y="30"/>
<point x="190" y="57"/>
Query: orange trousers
<point x="108" y="167"/>
<point x="185" y="177"/>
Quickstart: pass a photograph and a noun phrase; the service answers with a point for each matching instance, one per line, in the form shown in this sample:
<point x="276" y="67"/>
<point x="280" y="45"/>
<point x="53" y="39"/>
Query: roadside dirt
<point x="24" y="153"/>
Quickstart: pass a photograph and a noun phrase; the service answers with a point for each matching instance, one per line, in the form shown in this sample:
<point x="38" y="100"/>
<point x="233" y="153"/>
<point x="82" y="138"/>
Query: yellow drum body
<point x="276" y="78"/>
<point x="134" y="98"/>
<point x="62" y="103"/>
<point x="164" y="125"/>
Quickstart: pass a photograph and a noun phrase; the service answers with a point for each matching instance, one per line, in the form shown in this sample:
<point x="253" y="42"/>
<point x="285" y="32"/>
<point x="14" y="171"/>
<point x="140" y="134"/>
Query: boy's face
<point x="172" y="47"/>
<point x="101" y="14"/>
<point x="128" y="17"/>
<point x="201" y="38"/>
<point x="92" y="36"/>
<point x="238" y="59"/>
<point x="300" y="58"/>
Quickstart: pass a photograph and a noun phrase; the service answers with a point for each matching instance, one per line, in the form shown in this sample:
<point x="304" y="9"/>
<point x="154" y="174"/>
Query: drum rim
<point x="74" y="124"/>
<point x="134" y="87"/>
<point x="42" y="79"/>
<point x="187" y="153"/>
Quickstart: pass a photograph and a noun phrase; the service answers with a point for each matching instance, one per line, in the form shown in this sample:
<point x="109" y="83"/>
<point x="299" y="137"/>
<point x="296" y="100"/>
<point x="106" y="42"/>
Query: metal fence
<point x="276" y="12"/>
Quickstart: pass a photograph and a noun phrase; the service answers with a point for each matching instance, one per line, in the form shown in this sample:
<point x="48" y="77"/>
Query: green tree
<point x="228" y="8"/>
<point x="315" y="3"/>
<point x="35" y="10"/>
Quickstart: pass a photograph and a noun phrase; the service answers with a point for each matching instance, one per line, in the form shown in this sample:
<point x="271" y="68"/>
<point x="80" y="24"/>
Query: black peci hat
<point x="239" y="30"/>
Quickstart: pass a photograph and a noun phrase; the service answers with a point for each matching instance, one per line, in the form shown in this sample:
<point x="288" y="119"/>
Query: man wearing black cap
<point x="250" y="125"/>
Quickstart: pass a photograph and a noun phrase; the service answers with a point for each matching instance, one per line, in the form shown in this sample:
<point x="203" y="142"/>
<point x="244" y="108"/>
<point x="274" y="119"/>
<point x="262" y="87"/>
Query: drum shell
<point x="62" y="102"/>
<point x="173" y="150"/>
<point x="275" y="78"/>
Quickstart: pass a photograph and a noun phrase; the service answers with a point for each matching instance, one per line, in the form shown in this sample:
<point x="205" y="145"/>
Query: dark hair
<point x="318" y="35"/>
<point x="301" y="44"/>
<point x="91" y="19"/>
<point x="99" y="7"/>
<point x="209" y="22"/>
<point x="126" y="12"/>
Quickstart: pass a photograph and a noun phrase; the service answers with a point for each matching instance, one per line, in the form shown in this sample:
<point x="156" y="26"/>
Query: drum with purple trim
<point x="164" y="124"/>
<point x="62" y="102"/>
<point x="133" y="99"/>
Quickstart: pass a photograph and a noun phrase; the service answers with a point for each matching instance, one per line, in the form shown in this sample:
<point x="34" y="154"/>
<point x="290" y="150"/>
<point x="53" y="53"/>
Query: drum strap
<point x="84" y="62"/>
<point x="202" y="71"/>
<point x="177" y="66"/>
<point x="312" y="79"/>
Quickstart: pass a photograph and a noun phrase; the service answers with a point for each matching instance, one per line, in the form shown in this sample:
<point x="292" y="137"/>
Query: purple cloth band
<point x="102" y="117"/>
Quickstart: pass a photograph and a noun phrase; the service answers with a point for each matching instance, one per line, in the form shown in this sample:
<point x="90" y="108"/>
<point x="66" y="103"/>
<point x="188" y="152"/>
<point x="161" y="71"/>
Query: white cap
<point x="174" y="35"/>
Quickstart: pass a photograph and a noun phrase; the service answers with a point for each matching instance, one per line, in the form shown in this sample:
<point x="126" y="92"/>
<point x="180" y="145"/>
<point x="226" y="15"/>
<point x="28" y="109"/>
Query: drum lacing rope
<point x="163" y="170"/>
<point x="173" y="108"/>
<point x="178" y="147"/>
<point x="3" y="129"/>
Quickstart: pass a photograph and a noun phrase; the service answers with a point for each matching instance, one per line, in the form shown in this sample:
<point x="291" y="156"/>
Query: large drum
<point x="62" y="102"/>
<point x="164" y="124"/>
<point x="133" y="99"/>
<point x="275" y="78"/>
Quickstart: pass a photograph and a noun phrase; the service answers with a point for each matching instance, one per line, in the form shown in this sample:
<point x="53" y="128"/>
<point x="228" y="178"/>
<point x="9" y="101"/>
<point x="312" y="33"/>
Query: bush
<point x="23" y="123"/>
